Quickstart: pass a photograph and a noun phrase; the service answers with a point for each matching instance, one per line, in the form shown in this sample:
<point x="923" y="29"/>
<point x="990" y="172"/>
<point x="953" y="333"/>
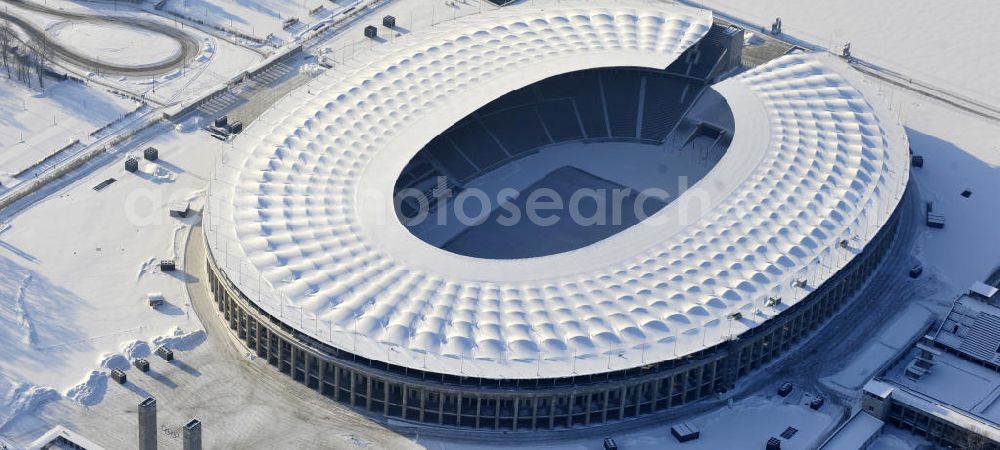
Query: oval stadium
<point x="340" y="248"/>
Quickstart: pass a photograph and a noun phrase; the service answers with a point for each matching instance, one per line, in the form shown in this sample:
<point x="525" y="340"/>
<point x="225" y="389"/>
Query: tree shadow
<point x="17" y="251"/>
<point x="31" y="304"/>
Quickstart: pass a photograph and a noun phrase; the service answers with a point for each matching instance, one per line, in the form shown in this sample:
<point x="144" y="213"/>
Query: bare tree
<point x="24" y="64"/>
<point x="5" y="38"/>
<point x="41" y="57"/>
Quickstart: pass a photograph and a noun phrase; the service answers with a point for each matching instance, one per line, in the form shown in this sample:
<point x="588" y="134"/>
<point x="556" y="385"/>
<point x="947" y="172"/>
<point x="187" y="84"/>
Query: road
<point x="190" y="46"/>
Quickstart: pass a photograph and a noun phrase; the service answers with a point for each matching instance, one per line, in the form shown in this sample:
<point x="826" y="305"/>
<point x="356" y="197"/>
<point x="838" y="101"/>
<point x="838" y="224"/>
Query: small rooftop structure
<point x="982" y="290"/>
<point x="685" y="431"/>
<point x="179" y="209"/>
<point x="857" y="433"/>
<point x="878" y="388"/>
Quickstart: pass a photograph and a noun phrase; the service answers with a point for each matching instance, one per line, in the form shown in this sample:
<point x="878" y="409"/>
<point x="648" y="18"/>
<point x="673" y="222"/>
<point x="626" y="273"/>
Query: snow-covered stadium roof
<point x="301" y="218"/>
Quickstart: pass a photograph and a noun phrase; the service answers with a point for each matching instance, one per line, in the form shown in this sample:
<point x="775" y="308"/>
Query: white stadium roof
<point x="301" y="218"/>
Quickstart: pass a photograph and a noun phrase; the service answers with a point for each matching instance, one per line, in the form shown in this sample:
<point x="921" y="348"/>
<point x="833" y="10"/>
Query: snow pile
<point x="20" y="398"/>
<point x="189" y="125"/>
<point x="157" y="172"/>
<point x="111" y="361"/>
<point x="179" y="340"/>
<point x="207" y="50"/>
<point x="312" y="69"/>
<point x="135" y="349"/>
<point x="90" y="391"/>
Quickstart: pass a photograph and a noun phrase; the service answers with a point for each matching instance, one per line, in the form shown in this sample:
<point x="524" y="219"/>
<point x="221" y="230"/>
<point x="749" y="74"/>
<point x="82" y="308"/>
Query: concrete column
<point x="385" y="397"/>
<point x="281" y="354"/>
<point x="656" y="394"/>
<point x="534" y="413"/>
<point x="517" y="406"/>
<point x="441" y="395"/>
<point x="552" y="412"/>
<point x="353" y="382"/>
<point x="604" y="409"/>
<point x="256" y="336"/>
<point x="479" y="410"/>
<point x="147" y="424"/>
<point x="406" y="398"/>
<point x="192" y="435"/>
<point x="423" y="404"/>
<point x="322" y="374"/>
<point x="621" y="403"/>
<point x="496" y="414"/>
<point x="368" y="393"/>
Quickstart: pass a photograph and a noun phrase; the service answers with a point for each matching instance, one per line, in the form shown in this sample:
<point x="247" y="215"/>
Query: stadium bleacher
<point x="560" y="119"/>
<point x="699" y="61"/>
<point x="585" y="89"/>
<point x="663" y="106"/>
<point x="631" y="103"/>
<point x="518" y="129"/>
<point x="621" y="94"/>
<point x="473" y="141"/>
<point x="444" y="153"/>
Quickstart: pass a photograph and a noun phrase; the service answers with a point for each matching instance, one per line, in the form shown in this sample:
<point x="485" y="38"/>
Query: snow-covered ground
<point x="961" y="151"/>
<point x="34" y="124"/>
<point x="896" y="439"/>
<point x="892" y="341"/>
<point x="962" y="384"/>
<point x="260" y="18"/>
<point x="745" y="424"/>
<point x="75" y="270"/>
<point x="948" y="44"/>
<point x="217" y="61"/>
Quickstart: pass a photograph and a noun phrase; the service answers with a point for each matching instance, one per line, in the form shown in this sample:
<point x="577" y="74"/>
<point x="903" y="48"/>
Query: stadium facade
<point x="311" y="274"/>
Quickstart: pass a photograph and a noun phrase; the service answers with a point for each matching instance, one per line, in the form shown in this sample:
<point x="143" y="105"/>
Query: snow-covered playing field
<point x="115" y="44"/>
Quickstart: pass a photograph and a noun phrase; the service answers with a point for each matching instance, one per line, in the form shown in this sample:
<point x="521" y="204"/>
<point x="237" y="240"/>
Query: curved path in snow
<point x="190" y="46"/>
